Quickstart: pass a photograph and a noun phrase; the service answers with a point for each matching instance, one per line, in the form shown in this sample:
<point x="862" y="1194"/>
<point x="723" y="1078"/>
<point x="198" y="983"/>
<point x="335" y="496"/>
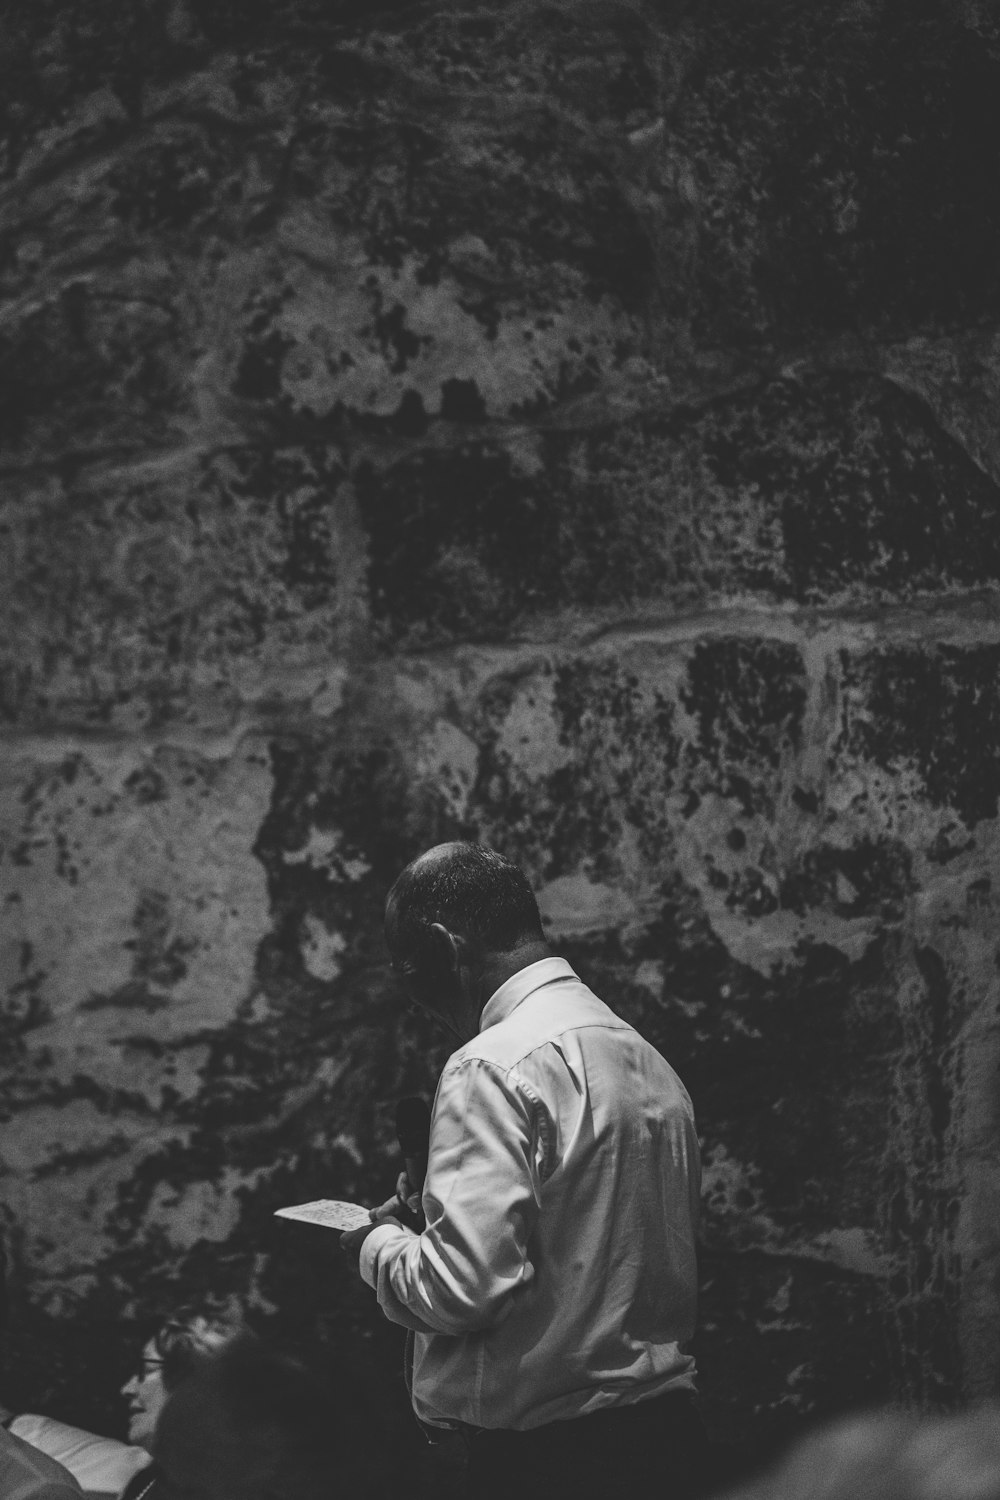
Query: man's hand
<point x="404" y="1208"/>
<point x="406" y="1195"/>
<point x="386" y="1212"/>
<point x="392" y="1211"/>
<point x="352" y="1239"/>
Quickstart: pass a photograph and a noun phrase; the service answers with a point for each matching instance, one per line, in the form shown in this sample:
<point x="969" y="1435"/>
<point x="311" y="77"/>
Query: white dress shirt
<point x="556" y="1274"/>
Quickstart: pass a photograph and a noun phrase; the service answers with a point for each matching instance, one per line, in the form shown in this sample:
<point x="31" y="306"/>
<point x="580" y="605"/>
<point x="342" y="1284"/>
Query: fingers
<point x="352" y="1239"/>
<point x="406" y="1194"/>
<point x="386" y="1210"/>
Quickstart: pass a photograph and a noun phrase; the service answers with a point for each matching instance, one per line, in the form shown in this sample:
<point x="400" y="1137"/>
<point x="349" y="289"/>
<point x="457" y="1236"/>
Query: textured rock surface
<point x="572" y="426"/>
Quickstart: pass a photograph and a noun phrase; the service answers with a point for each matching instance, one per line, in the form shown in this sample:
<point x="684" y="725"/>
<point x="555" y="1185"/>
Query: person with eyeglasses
<point x="125" y="1471"/>
<point x="177" y="1350"/>
<point x="146" y="1395"/>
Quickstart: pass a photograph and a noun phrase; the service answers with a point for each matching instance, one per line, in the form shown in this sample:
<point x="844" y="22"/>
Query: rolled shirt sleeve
<point x="480" y="1202"/>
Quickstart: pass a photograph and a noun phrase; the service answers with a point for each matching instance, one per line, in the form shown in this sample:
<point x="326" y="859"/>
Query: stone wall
<point x="571" y="425"/>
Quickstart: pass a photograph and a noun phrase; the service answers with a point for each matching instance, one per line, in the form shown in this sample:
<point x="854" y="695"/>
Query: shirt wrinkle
<point x="542" y="1125"/>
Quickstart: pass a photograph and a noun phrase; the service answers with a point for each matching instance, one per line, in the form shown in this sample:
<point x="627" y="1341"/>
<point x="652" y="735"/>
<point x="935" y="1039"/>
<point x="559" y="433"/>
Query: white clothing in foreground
<point x="100" y="1465"/>
<point x="557" y="1274"/>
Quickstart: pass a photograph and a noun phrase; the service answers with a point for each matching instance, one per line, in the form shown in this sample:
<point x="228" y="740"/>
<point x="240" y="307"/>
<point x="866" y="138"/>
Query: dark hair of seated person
<point x="254" y="1424"/>
<point x="187" y="1339"/>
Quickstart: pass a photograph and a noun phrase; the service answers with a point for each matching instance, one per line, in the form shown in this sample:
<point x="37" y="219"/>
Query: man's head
<point x="458" y="920"/>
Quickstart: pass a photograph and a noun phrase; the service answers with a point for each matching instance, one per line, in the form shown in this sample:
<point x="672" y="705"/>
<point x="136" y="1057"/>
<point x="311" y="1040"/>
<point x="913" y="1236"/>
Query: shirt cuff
<point x="385" y="1234"/>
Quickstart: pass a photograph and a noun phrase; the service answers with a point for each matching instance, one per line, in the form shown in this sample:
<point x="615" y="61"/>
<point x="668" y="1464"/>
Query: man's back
<point x="553" y="1288"/>
<point x="561" y="1202"/>
<point x="28" y="1474"/>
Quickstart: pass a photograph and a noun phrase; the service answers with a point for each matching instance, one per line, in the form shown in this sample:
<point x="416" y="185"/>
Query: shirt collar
<point x="520" y="985"/>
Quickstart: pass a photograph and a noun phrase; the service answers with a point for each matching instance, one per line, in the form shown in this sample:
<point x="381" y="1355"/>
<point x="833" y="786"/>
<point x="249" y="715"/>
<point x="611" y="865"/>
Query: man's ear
<point x="445" y="947"/>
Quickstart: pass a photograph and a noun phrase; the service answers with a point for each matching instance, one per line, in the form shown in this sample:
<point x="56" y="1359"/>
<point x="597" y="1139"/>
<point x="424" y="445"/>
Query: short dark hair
<point x="470" y="889"/>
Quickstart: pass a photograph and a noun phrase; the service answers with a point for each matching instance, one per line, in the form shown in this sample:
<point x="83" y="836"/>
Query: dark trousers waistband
<point x="668" y="1406"/>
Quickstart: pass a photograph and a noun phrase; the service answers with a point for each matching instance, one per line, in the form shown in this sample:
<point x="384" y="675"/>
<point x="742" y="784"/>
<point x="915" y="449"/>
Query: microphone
<point x="413" y="1132"/>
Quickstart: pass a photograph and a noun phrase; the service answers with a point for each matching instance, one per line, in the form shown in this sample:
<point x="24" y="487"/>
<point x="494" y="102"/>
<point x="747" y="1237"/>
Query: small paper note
<point x="330" y="1213"/>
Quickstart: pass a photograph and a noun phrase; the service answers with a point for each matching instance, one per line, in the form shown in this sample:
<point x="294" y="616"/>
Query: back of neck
<point x="499" y="967"/>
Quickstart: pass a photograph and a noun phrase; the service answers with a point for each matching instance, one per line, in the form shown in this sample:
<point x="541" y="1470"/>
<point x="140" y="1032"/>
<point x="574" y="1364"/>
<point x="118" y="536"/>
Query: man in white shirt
<point x="553" y="1289"/>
